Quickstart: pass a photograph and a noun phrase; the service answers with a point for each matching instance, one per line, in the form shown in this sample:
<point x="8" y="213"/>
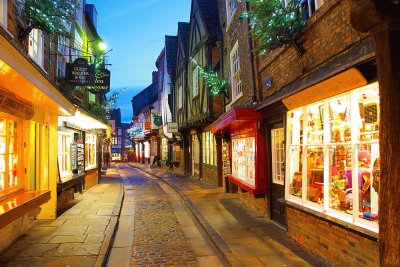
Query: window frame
<point x="64" y="151"/>
<point x="195" y="81"/>
<point x="236" y="83"/>
<point x="36" y="38"/>
<point x="278" y="156"/>
<point x="6" y="190"/>
<point x="3" y="13"/>
<point x="209" y="148"/>
<point x="230" y="12"/>
<point x="90" y="151"/>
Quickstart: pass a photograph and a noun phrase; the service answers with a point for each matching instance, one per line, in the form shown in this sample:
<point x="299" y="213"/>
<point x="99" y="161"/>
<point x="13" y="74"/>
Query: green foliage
<point x="110" y="103"/>
<point x="51" y="16"/>
<point x="97" y="110"/>
<point x="211" y="78"/>
<point x="273" y="24"/>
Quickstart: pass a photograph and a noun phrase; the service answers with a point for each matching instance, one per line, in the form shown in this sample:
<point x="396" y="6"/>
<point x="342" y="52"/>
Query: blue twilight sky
<point x="135" y="30"/>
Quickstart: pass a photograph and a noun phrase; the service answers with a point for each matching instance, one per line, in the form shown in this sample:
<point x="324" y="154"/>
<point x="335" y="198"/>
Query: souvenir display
<point x="243" y="159"/>
<point x="341" y="131"/>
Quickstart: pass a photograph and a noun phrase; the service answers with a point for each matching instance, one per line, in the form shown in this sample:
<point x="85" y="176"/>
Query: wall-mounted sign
<point x="147" y="125"/>
<point x="80" y="72"/>
<point x="102" y="80"/>
<point x="172" y="127"/>
<point x="11" y="104"/>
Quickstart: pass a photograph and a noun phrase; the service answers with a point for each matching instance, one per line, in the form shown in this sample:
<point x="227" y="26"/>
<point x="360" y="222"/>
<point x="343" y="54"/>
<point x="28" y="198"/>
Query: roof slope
<point x="170" y="50"/>
<point x="210" y="14"/>
<point x="183" y="35"/>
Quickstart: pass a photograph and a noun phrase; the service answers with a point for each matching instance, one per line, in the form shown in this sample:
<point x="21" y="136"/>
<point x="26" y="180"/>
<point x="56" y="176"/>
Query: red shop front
<point x="246" y="149"/>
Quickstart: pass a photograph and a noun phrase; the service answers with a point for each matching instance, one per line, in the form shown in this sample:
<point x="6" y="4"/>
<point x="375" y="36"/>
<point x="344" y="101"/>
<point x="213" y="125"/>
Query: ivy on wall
<point x="211" y="78"/>
<point x="50" y="16"/>
<point x="111" y="102"/>
<point x="274" y="24"/>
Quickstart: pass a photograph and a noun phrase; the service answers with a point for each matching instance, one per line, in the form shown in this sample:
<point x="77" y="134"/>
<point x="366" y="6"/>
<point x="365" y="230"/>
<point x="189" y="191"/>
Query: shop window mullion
<point x="326" y="141"/>
<point x="304" y="156"/>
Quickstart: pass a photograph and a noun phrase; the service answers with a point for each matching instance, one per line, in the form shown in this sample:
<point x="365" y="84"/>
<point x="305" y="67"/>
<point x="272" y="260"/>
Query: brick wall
<point x="259" y="204"/>
<point x="327" y="33"/>
<point x="210" y="175"/>
<point x="236" y="31"/>
<point x="333" y="243"/>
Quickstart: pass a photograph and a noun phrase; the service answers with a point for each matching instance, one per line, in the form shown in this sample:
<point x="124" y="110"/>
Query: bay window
<point x="333" y="156"/>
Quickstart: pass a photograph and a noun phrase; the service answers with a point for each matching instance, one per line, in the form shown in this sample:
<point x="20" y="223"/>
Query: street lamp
<point x="102" y="46"/>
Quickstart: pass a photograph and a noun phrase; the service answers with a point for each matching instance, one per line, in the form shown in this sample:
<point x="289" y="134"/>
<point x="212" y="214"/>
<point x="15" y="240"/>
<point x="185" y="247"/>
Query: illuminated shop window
<point x="64" y="153"/>
<point x="333" y="156"/>
<point x="278" y="156"/>
<point x="9" y="152"/>
<point x="243" y="159"/>
<point x="209" y="149"/>
<point x="90" y="151"/>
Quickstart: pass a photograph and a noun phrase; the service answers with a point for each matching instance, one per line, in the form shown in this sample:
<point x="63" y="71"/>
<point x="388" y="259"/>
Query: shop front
<point x="78" y="155"/>
<point x="332" y="165"/>
<point x="29" y="107"/>
<point x="246" y="167"/>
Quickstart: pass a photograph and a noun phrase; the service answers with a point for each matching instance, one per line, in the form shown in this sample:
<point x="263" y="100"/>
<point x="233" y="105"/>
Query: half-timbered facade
<point x="202" y="107"/>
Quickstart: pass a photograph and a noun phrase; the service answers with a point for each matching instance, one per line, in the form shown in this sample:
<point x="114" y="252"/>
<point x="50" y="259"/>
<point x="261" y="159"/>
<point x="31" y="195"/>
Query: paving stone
<point x="67" y="239"/>
<point x="38" y="250"/>
<point x="94" y="238"/>
<point x="77" y="249"/>
<point x="71" y="230"/>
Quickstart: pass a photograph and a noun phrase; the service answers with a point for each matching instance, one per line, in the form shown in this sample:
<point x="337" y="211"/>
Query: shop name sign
<point x="80" y="72"/>
<point x="11" y="104"/>
<point x="172" y="127"/>
<point x="102" y="80"/>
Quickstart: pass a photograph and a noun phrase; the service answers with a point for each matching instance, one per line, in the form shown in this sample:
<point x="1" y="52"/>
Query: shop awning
<point x="234" y="118"/>
<point x="82" y="121"/>
<point x="19" y="76"/>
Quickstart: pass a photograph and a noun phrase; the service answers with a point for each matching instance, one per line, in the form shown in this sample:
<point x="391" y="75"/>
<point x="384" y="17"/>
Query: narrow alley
<point x="154" y="225"/>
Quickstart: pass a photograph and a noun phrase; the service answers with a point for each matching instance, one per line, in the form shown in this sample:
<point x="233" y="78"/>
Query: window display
<point x="8" y="155"/>
<point x="334" y="168"/>
<point x="209" y="148"/>
<point x="90" y="151"/>
<point x="66" y="154"/>
<point x="243" y="159"/>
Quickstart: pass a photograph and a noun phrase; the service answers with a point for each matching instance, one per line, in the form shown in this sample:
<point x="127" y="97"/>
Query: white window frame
<point x="90" y="151"/>
<point x="6" y="139"/>
<point x="278" y="155"/>
<point x="209" y="149"/>
<point x="64" y="153"/>
<point x="231" y="7"/>
<point x="3" y="13"/>
<point x="236" y="83"/>
<point x="317" y="5"/>
<point x="36" y="46"/>
<point x="195" y="78"/>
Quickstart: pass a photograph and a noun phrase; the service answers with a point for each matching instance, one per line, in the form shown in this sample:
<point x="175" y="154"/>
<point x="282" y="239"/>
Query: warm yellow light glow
<point x="83" y="121"/>
<point x="102" y="46"/>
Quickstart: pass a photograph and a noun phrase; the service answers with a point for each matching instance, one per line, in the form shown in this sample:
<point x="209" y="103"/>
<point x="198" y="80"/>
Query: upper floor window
<point x="79" y="13"/>
<point x="196" y="81"/>
<point x="231" y="6"/>
<point x="3" y="12"/>
<point x="180" y="95"/>
<point x="36" y="46"/>
<point x="119" y="131"/>
<point x="308" y="7"/>
<point x="235" y="72"/>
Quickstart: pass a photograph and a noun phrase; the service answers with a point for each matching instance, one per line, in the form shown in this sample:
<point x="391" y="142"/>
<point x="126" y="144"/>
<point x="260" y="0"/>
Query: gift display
<point x="340" y="154"/>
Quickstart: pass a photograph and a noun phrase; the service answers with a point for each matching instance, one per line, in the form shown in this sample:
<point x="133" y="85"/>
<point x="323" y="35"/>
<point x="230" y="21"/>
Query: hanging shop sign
<point x="80" y="72"/>
<point x="11" y="104"/>
<point x="172" y="127"/>
<point x="147" y="125"/>
<point x="102" y="80"/>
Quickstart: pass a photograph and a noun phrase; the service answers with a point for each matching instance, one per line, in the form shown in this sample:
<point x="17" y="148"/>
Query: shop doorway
<point x="277" y="171"/>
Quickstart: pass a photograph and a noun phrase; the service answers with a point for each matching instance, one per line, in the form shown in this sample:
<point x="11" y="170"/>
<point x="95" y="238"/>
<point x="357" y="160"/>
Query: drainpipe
<point x="250" y="45"/>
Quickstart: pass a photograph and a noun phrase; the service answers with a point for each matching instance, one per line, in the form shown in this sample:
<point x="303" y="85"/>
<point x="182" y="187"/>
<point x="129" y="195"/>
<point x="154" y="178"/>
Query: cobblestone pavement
<point x="158" y="237"/>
